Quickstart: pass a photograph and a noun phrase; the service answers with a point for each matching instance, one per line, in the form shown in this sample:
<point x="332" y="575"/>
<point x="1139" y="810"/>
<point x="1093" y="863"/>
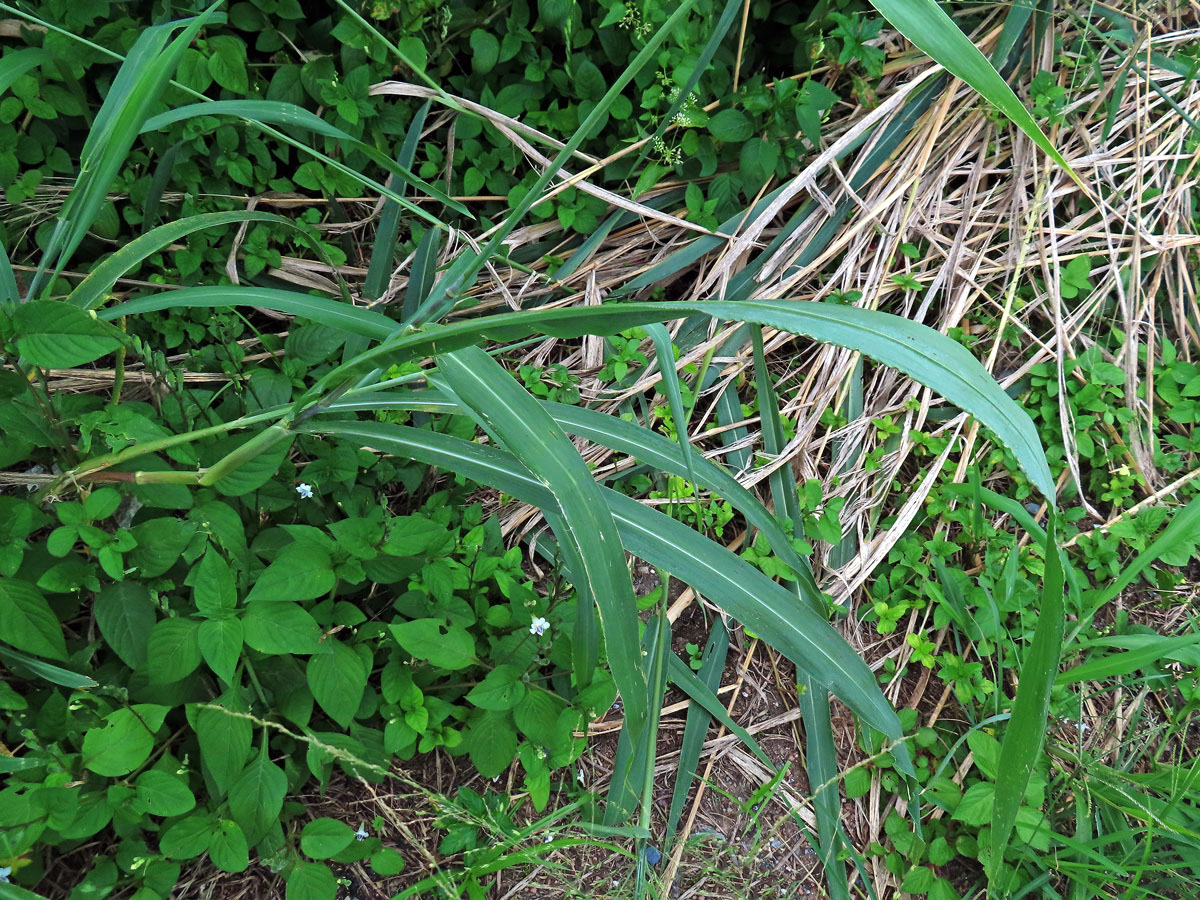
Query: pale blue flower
<point x="362" y="834"/>
<point x="5" y="871"/>
<point x="305" y="491"/>
<point x="538" y="626"/>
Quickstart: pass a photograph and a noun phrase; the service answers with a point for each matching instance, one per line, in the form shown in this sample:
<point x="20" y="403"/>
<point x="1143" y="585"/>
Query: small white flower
<point x="304" y="490"/>
<point x="538" y="625"/>
<point x="5" y="871"/>
<point x="580" y="776"/>
<point x="548" y="838"/>
<point x="362" y="834"/>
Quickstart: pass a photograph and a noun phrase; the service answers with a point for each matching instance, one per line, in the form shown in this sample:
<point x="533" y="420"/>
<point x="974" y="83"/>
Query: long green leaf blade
<point x="698" y="718"/>
<point x="139" y="82"/>
<point x="706" y="698"/>
<point x="926" y="24"/>
<point x="1026" y="731"/>
<point x="741" y="590"/>
<point x="383" y="251"/>
<point x="321" y="310"/>
<point x="291" y="117"/>
<point x="90" y="292"/>
<point x="918" y="351"/>
<point x="16" y="64"/>
<point x="625" y="437"/>
<point x="1184" y="527"/>
<point x="508" y="412"/>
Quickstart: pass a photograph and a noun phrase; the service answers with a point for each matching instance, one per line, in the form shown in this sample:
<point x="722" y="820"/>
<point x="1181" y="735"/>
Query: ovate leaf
<point x="227" y="847"/>
<point x="278" y="628"/>
<point x="220" y="642"/>
<point x="27" y="622"/>
<point x="56" y="335"/>
<point x="311" y="881"/>
<point x="187" y="838"/>
<point x="224" y="742"/>
<point x="501" y="689"/>
<point x="174" y="651"/>
<point x="123" y="741"/>
<point x="213" y="588"/>
<point x="160" y="793"/>
<point x="731" y="126"/>
<point x="256" y="797"/>
<point x="323" y="838"/>
<point x="444" y="645"/>
<point x="299" y="572"/>
<point x="337" y="679"/>
<point x="493" y="743"/>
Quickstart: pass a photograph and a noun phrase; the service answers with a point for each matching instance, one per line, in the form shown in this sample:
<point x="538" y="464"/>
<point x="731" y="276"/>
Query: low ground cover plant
<point x="217" y="591"/>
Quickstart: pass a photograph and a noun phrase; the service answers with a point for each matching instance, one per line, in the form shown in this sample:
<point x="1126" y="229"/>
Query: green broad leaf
<point x="227" y="63"/>
<point x="919" y="880"/>
<point x="276" y="628"/>
<point x="27" y="622"/>
<point x="17" y="63"/>
<point x="256" y="796"/>
<point x="52" y="334"/>
<point x="160" y="542"/>
<point x="220" y="642"/>
<point x="977" y="803"/>
<point x="124" y="741"/>
<point x="536" y="715"/>
<point x="173" y="652"/>
<point x="323" y="838"/>
<point x="731" y="126"/>
<point x="337" y="679"/>
<point x="757" y="161"/>
<point x="387" y="862"/>
<point x="227" y="847"/>
<point x="1025" y="734"/>
<point x="214" y="590"/>
<point x="101" y="503"/>
<point x="501" y="689"/>
<point x="857" y="783"/>
<point x="444" y="645"/>
<point x="187" y="838"/>
<point x="160" y="793"/>
<point x="492" y="743"/>
<point x="485" y="51"/>
<point x="224" y="741"/>
<point x="299" y="572"/>
<point x="930" y="29"/>
<point x="311" y="881"/>
<point x="986" y="751"/>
